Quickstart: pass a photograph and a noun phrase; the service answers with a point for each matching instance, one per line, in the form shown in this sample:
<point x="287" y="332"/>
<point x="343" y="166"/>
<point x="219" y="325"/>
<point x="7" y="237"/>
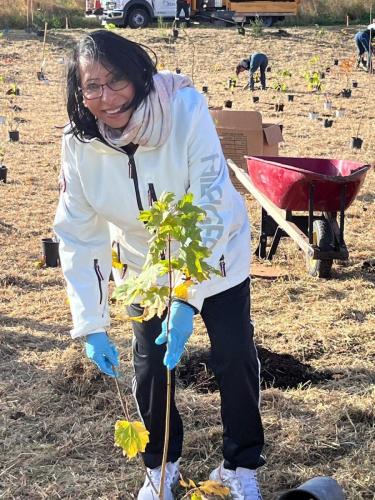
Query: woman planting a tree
<point x="135" y="133"/>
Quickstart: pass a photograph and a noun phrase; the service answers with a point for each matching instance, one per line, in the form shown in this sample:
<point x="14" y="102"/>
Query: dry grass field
<point x="315" y="337"/>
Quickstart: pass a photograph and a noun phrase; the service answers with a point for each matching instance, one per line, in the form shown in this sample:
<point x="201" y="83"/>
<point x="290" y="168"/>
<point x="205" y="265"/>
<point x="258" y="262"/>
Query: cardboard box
<point x="243" y="133"/>
<point x="272" y="136"/>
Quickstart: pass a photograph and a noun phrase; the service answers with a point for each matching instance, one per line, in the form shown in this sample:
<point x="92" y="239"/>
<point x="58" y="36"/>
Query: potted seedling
<point x="50" y="252"/>
<point x="169" y="223"/>
<point x="327" y="122"/>
<point x="346" y="69"/>
<point x="13" y="89"/>
<point x="3" y="168"/>
<point x="13" y="132"/>
<point x="340" y="112"/>
<point x="280" y="86"/>
<point x="313" y="82"/>
<point x="327" y="105"/>
<point x="178" y="71"/>
<point x="356" y="141"/>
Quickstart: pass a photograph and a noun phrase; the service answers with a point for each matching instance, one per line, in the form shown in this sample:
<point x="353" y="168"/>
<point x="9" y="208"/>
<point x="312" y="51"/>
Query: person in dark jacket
<point x="256" y="61"/>
<point x="363" y="41"/>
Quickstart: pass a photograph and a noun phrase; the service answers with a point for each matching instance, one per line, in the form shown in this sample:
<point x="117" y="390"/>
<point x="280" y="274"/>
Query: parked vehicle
<point x="139" y="13"/>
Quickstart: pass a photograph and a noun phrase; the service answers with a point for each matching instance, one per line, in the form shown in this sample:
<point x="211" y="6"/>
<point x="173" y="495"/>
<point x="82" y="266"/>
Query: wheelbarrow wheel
<point x="323" y="238"/>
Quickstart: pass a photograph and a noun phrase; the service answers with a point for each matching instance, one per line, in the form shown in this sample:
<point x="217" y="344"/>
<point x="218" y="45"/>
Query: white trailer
<point x="139" y="13"/>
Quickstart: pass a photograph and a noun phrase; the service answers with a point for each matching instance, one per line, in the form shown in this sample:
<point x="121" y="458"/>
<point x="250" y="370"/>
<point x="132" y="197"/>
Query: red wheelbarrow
<point x="322" y="187"/>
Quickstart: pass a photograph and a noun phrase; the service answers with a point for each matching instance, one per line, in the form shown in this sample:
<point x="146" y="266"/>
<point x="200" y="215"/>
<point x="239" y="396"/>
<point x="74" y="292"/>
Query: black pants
<point x="236" y="367"/>
<point x="182" y="5"/>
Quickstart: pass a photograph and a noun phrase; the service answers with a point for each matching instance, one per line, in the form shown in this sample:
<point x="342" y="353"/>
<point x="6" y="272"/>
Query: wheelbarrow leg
<point x="275" y="243"/>
<point x="268" y="228"/>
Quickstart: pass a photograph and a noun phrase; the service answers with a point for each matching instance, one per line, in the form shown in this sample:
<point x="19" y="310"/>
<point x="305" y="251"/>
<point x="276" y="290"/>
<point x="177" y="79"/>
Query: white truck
<point x="139" y="13"/>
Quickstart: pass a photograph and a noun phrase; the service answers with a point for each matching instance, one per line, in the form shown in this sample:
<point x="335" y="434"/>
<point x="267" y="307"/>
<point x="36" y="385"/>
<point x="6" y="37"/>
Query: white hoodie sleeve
<point x="226" y="227"/>
<point x="85" y="249"/>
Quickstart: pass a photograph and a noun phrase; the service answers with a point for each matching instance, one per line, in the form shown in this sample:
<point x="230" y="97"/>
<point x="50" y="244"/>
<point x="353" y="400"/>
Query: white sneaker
<point x="243" y="483"/>
<point x="172" y="472"/>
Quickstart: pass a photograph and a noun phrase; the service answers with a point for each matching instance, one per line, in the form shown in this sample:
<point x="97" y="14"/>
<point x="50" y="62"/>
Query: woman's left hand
<point x="180" y="329"/>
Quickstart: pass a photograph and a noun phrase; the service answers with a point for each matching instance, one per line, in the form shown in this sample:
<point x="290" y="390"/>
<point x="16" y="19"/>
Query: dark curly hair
<point x="117" y="54"/>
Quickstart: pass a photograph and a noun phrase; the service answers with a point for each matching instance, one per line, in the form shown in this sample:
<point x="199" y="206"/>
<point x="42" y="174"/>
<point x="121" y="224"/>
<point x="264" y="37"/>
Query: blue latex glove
<point x="180" y="329"/>
<point x="101" y="351"/>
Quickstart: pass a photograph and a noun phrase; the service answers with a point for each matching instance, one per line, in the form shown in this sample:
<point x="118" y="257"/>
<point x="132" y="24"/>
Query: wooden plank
<point x="276" y="213"/>
<point x="266" y="7"/>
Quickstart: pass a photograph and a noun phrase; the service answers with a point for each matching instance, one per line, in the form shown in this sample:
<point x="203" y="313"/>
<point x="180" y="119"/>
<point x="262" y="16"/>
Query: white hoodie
<point x="98" y="209"/>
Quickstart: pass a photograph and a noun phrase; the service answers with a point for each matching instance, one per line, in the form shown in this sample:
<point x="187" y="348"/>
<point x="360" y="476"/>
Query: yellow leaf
<point x="39" y="263"/>
<point x="190" y="484"/>
<point x="132" y="437"/>
<point x="214" y="488"/>
<point x="116" y="261"/>
<point x="196" y="496"/>
<point x="181" y="291"/>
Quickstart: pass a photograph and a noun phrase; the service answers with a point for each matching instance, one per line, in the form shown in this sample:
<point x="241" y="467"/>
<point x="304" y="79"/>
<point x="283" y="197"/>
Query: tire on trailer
<point x="138" y="18"/>
<point x="323" y="238"/>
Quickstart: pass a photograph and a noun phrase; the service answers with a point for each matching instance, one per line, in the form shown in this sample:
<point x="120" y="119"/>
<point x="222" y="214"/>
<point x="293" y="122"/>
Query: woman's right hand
<point x="101" y="351"/>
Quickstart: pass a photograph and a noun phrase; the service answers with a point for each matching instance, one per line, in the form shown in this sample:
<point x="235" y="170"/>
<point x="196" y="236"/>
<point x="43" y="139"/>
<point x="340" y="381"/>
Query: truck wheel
<point x="323" y="238"/>
<point x="138" y="18"/>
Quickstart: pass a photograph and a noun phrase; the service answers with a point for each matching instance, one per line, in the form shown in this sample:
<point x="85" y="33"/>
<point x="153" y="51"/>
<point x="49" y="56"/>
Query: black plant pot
<point x="255" y="98"/>
<point x="14" y="135"/>
<point x="3" y="174"/>
<point x="205" y="89"/>
<point x="357" y="142"/>
<point x="241" y="30"/>
<point x="269" y="69"/>
<point x="279" y="107"/>
<point x="50" y="250"/>
<point x="327" y="123"/>
<point x="290" y="97"/>
<point x="41" y="76"/>
<point x="175" y="32"/>
<point x="354" y="84"/>
<point x="13" y="92"/>
<point x="346" y="93"/>
<point x="227" y="104"/>
<point x="178" y="70"/>
<point x="336" y="62"/>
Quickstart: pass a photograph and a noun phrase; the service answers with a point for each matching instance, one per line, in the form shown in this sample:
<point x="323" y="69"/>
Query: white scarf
<point x="151" y="122"/>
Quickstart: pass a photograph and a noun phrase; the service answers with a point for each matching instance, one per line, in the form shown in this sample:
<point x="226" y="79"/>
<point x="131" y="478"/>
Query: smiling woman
<point x="110" y="101"/>
<point x="106" y="72"/>
<point x="124" y="113"/>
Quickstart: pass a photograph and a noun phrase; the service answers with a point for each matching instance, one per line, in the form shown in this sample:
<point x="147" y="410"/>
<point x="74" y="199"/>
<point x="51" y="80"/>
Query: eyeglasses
<point x="95" y="90"/>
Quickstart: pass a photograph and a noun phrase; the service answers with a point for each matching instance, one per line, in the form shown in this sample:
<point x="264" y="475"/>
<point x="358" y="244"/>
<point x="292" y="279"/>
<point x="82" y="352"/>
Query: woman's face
<point x="109" y="106"/>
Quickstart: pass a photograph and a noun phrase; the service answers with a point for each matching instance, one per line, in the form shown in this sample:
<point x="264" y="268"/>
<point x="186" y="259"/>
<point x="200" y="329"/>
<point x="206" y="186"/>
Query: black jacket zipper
<point x="151" y="195"/>
<point x="100" y="279"/>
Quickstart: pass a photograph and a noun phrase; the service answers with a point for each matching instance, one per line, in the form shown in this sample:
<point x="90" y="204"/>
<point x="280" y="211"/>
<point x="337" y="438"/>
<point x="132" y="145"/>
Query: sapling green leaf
<point x="172" y="225"/>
